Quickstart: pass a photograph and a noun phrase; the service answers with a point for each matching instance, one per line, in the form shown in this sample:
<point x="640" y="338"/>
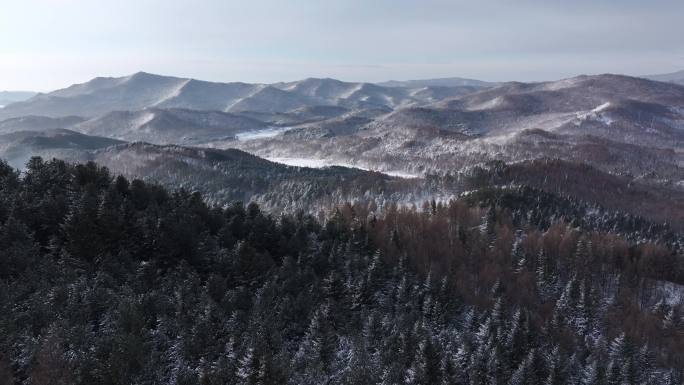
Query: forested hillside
<point x="110" y="281"/>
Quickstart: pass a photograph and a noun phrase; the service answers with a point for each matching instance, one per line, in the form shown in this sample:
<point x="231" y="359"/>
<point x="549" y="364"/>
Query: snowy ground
<point x="261" y="134"/>
<point x="321" y="163"/>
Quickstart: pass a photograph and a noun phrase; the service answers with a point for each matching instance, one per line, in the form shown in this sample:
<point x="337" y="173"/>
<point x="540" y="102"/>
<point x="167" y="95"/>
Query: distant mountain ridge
<point x="437" y="82"/>
<point x="8" y="97"/>
<point x="674" y="77"/>
<point x="37" y="123"/>
<point x="144" y="90"/>
<point x="620" y="124"/>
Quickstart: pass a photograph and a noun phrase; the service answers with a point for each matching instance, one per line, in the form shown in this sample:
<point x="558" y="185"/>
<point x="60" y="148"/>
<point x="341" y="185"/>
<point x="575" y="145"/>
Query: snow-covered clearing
<point x="322" y="163"/>
<point x="596" y="114"/>
<point x="261" y="134"/>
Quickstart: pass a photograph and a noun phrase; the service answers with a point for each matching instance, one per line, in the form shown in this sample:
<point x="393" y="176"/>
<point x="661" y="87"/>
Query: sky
<point x="50" y="44"/>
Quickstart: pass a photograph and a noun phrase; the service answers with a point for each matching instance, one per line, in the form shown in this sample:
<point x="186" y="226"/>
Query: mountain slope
<point x="37" y="123"/>
<point x="230" y="175"/>
<point x="272" y="99"/>
<point x="18" y="147"/>
<point x="166" y="126"/>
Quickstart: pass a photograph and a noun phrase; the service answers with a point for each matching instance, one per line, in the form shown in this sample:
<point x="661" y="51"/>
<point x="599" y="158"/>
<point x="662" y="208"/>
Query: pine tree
<point x="523" y="374"/>
<point x="315" y="354"/>
<point x="670" y="320"/>
<point x="590" y="373"/>
<point x="417" y="373"/>
<point x="613" y="373"/>
<point x="18" y="247"/>
<point x="581" y="316"/>
<point x="618" y="348"/>
<point x="461" y="360"/>
<point x="248" y="368"/>
<point x="495" y="370"/>
<point x="554" y="369"/>
<point x="545" y="276"/>
<point x="488" y="226"/>
<point x="6" y="375"/>
<point x="671" y="378"/>
<point x="583" y="252"/>
<point x="81" y="241"/>
<point x="516" y="343"/>
<point x="644" y="365"/>
<point x="565" y="306"/>
<point x="517" y="254"/>
<point x="477" y="367"/>
<point x="226" y="366"/>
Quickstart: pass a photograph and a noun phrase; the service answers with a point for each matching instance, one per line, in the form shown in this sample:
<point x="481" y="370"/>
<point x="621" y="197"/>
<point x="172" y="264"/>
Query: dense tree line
<point x="110" y="281"/>
<point x="529" y="205"/>
<point x="233" y="175"/>
<point x="616" y="192"/>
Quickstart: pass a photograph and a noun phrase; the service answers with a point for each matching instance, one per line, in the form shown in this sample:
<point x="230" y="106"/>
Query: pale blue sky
<point x="48" y="44"/>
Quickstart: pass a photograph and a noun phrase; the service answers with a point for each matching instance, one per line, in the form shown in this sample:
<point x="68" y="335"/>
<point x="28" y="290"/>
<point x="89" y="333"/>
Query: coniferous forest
<point x="110" y="281"/>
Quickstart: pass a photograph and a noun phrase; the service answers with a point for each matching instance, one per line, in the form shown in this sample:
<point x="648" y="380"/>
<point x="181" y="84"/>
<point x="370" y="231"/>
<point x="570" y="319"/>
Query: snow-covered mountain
<point x="136" y="92"/>
<point x="143" y="90"/>
<point x="634" y="110"/>
<point x="617" y="123"/>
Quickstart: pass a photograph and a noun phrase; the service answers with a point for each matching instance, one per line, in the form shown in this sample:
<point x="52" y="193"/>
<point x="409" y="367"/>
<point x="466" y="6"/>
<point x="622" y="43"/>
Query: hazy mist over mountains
<point x="675" y="77"/>
<point x="7" y="97"/>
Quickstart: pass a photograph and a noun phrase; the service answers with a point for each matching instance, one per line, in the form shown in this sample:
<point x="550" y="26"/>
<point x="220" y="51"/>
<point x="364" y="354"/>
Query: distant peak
<point x="141" y="75"/>
<point x="321" y="80"/>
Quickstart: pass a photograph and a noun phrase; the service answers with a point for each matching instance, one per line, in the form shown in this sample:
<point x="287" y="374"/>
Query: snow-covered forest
<point x="111" y="281"/>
